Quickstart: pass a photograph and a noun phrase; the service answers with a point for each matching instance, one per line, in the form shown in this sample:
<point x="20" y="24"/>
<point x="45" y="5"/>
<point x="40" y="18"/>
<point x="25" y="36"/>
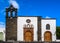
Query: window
<point x="48" y="27"/>
<point x="28" y="20"/>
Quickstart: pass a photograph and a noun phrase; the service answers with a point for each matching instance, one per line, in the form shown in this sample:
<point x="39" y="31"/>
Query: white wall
<point x="52" y="23"/>
<point x="20" y="22"/>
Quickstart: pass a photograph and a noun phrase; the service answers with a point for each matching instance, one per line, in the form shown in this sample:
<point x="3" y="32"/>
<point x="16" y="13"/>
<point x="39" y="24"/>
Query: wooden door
<point x="28" y="37"/>
<point x="47" y="36"/>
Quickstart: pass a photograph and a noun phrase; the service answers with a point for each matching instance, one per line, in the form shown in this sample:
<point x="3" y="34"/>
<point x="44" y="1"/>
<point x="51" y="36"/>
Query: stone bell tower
<point x="11" y="23"/>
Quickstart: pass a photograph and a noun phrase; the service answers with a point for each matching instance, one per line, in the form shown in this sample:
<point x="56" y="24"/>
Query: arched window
<point x="48" y="27"/>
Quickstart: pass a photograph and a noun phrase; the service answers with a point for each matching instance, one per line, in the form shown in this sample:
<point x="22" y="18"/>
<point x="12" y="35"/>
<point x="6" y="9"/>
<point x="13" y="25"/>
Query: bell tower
<point x="11" y="23"/>
<point x="11" y="12"/>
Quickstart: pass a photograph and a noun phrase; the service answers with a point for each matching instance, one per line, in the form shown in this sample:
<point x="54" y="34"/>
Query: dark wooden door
<point x="47" y="36"/>
<point x="28" y="36"/>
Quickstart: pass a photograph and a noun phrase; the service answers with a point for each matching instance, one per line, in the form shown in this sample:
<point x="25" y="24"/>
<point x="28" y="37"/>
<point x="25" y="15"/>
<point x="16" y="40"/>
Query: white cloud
<point x="48" y="17"/>
<point x="2" y="12"/>
<point x="14" y="3"/>
<point x="2" y="25"/>
<point x="2" y="29"/>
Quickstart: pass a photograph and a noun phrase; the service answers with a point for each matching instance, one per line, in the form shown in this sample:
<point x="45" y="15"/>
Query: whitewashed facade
<point x="52" y="23"/>
<point x="20" y="24"/>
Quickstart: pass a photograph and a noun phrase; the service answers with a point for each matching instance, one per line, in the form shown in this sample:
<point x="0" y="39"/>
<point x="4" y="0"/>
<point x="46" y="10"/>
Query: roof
<point x="49" y="18"/>
<point x="29" y="16"/>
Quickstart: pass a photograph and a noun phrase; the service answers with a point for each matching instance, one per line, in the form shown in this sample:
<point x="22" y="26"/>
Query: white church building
<point x="48" y="28"/>
<point x="29" y="28"/>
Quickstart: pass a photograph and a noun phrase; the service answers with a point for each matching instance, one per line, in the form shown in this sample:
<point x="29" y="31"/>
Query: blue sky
<point x="44" y="8"/>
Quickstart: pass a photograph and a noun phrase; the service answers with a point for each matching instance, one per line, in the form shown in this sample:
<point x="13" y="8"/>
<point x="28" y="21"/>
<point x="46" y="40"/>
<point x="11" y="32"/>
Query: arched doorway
<point x="28" y="32"/>
<point x="47" y="36"/>
<point x="28" y="36"/>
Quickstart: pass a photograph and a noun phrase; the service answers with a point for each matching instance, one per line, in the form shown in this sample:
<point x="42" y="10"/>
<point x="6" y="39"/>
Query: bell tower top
<point x="11" y="11"/>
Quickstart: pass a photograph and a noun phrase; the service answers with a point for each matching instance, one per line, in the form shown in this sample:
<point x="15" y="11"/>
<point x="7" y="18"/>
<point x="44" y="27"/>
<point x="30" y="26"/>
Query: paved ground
<point x="29" y="42"/>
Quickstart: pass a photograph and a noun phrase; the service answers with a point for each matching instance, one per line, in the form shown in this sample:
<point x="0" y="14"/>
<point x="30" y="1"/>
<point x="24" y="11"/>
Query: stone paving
<point x="28" y="42"/>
